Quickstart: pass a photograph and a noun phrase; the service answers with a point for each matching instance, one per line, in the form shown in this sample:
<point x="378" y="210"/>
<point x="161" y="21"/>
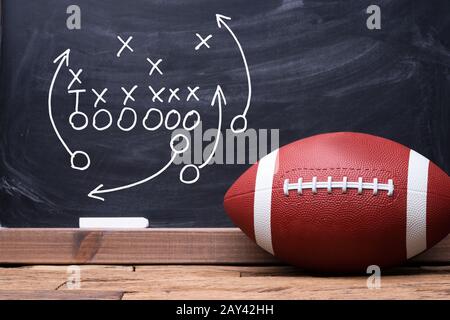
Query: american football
<point x="340" y="202"/>
<point x="246" y="151"/>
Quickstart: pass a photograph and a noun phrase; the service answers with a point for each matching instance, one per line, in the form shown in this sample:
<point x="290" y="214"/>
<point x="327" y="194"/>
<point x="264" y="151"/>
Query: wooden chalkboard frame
<point x="220" y="246"/>
<point x="147" y="246"/>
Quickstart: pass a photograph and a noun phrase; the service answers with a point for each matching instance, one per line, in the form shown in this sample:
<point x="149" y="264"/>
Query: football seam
<point x="281" y="189"/>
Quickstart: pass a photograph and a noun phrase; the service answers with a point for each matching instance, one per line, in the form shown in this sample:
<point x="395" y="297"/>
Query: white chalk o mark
<point x="147" y="115"/>
<point x="168" y="116"/>
<point x="243" y="126"/>
<point x="107" y="125"/>
<point x="82" y="116"/>
<point x="80" y="154"/>
<point x="121" y="117"/>
<point x="195" y="177"/>
<point x="174" y="139"/>
<point x="196" y="122"/>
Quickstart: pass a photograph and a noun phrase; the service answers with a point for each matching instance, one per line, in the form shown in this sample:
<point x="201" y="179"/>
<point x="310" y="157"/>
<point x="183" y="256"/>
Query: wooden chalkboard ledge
<point x="149" y="246"/>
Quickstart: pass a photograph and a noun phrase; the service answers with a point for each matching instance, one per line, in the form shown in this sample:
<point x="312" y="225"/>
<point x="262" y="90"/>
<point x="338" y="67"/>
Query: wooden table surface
<point x="189" y="264"/>
<point x="217" y="282"/>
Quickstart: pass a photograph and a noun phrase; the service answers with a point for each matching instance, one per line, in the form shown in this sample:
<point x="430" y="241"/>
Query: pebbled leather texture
<point x="341" y="232"/>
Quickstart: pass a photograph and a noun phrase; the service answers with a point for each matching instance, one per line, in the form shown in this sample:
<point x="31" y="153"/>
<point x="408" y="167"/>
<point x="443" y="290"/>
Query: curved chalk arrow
<point x="94" y="193"/>
<point x="220" y="19"/>
<point x="62" y="59"/>
<point x="220" y="97"/>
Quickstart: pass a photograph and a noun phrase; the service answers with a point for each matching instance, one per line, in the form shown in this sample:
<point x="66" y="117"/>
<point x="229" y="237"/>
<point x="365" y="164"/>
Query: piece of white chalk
<point x="114" y="223"/>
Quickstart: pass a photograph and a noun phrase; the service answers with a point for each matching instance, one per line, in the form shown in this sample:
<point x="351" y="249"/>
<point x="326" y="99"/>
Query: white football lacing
<point x="343" y="185"/>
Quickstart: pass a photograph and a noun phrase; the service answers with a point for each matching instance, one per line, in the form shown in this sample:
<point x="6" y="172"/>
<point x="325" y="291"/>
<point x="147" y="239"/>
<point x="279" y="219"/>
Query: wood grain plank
<point x="423" y="287"/>
<point x="60" y="295"/>
<point x="278" y="282"/>
<point x="270" y="282"/>
<point x="149" y="246"/>
<point x="55" y="277"/>
<point x="219" y="282"/>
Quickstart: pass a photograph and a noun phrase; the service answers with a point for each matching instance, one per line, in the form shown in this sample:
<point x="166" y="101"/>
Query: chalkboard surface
<point x="291" y="69"/>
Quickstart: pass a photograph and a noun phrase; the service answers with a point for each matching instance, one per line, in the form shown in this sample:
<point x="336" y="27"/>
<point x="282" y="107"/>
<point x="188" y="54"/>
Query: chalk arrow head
<point x="219" y="96"/>
<point x="94" y="193"/>
<point x="220" y="19"/>
<point x="63" y="57"/>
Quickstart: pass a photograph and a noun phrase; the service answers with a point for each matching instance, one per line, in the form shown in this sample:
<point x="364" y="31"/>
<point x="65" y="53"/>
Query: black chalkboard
<point x="313" y="67"/>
